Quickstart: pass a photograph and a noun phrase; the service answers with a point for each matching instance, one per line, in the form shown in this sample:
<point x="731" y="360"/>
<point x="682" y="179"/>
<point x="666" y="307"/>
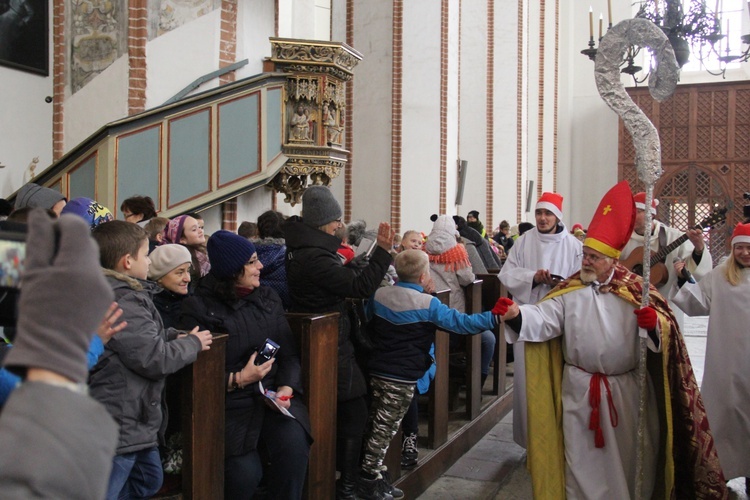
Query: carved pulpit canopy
<point x="313" y="111"/>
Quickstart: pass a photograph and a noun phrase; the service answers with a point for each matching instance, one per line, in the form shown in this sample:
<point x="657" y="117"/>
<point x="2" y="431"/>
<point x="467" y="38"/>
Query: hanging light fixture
<point x="692" y="29"/>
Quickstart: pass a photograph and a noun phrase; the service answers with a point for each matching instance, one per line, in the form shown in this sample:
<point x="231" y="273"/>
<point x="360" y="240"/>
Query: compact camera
<point x="746" y="208"/>
<point x="267" y="352"/>
<point x="12" y="263"/>
<point x="12" y="254"/>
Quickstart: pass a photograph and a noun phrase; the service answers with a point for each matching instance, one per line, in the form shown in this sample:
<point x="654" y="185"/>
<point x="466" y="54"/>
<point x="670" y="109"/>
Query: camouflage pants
<point x="390" y="400"/>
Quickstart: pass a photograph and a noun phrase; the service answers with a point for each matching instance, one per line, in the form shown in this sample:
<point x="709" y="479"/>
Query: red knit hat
<point x="610" y="229"/>
<point x="640" y="202"/>
<point x="741" y="233"/>
<point x="552" y="202"/>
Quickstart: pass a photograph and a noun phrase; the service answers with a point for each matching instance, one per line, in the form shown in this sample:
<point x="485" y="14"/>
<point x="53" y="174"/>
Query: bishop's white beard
<point x="588" y="276"/>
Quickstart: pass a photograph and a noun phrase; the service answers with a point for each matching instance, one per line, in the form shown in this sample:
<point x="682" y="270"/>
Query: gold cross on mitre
<point x="607" y="210"/>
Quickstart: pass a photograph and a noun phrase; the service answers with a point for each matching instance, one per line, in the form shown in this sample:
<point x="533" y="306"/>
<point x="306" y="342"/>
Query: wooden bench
<point x="202" y="388"/>
<point x="318" y="336"/>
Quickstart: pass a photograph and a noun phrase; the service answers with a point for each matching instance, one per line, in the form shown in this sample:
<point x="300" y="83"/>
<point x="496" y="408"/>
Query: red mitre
<point x="610" y="229"/>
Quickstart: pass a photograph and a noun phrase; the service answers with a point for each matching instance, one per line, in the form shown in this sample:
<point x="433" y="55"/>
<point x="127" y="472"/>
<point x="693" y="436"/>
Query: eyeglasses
<point x="591" y="257"/>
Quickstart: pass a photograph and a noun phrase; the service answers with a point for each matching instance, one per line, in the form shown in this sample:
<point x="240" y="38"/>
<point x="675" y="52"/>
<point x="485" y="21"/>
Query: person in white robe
<point x="582" y="355"/>
<point x="723" y="295"/>
<point x="693" y="251"/>
<point x="535" y="262"/>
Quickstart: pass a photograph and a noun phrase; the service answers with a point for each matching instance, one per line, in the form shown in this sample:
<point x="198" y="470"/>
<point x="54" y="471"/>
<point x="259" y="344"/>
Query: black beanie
<point x="228" y="253"/>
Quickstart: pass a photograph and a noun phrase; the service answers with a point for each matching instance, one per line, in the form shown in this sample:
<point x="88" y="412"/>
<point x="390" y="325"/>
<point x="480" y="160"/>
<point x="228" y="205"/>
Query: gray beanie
<point x="33" y="195"/>
<point x="165" y="258"/>
<point x="319" y="207"/>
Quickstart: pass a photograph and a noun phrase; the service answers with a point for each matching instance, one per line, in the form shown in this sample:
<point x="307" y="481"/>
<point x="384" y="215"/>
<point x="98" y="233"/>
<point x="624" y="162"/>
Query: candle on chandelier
<point x="591" y="22"/>
<point x="601" y="23"/>
<point x="609" y="12"/>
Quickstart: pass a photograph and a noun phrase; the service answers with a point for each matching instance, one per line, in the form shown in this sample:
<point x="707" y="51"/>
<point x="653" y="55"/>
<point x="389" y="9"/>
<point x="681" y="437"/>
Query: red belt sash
<point x="595" y="398"/>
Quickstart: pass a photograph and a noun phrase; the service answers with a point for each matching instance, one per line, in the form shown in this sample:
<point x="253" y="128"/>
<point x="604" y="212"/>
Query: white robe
<point x="726" y="376"/>
<point x="600" y="335"/>
<point x="560" y="253"/>
<point x="683" y="252"/>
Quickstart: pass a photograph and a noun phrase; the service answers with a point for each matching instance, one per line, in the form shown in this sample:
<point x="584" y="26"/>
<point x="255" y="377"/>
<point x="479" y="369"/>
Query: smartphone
<point x="12" y="256"/>
<point x="366" y="246"/>
<point x="557" y="278"/>
<point x="267" y="352"/>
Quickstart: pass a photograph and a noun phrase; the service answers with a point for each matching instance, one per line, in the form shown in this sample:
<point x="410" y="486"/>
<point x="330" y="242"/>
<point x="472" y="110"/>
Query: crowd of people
<point x="574" y="316"/>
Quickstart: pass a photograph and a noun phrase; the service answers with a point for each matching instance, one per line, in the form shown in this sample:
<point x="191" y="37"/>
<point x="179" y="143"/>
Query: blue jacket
<point x="402" y="326"/>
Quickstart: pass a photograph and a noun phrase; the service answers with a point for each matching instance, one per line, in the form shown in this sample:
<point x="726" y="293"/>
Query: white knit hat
<point x="165" y="258"/>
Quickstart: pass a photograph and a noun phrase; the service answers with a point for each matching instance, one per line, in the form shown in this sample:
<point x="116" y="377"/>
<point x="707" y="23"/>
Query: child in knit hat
<point x="188" y="231"/>
<point x="91" y="211"/>
<point x="451" y="269"/>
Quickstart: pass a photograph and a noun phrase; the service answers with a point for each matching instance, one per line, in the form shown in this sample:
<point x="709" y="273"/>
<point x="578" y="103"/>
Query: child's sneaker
<point x="409" y="451"/>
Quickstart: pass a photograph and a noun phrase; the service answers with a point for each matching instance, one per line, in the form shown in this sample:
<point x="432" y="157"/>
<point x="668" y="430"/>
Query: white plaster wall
<point x="452" y="116"/>
<point x="212" y="219"/>
<point x="102" y="100"/>
<point x="420" y="175"/>
<point x="250" y="205"/>
<point x="255" y="25"/>
<point x="175" y="59"/>
<point x="371" y="165"/>
<point x="338" y="21"/>
<point x="25" y="127"/>
<point x="505" y="112"/>
<point x="473" y="119"/>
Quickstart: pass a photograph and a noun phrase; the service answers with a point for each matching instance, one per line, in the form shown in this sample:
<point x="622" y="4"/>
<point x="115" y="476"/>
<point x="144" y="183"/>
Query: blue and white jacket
<point x="402" y="322"/>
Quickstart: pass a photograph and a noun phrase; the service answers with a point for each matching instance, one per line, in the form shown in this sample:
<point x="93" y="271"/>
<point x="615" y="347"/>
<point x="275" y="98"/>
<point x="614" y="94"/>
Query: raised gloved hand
<point x="64" y="296"/>
<point x="501" y="306"/>
<point x="646" y="317"/>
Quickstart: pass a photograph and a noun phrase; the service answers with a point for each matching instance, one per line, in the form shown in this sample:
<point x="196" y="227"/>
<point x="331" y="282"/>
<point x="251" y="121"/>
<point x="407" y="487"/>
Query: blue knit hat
<point x="228" y="253"/>
<point x="91" y="211"/>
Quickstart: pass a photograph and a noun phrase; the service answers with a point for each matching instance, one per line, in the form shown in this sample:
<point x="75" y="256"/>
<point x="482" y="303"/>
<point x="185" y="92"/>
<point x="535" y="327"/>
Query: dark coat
<point x="129" y="377"/>
<point x="272" y="254"/>
<point x="248" y="321"/>
<point x="169" y="304"/>
<point x="318" y="282"/>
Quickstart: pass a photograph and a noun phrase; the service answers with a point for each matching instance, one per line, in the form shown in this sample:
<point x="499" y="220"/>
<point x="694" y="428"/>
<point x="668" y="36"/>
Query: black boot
<point x="348" y="460"/>
<point x="372" y="489"/>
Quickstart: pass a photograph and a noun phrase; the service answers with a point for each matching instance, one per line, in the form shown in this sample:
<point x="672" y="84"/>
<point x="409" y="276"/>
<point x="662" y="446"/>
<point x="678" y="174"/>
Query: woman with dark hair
<point x="230" y="299"/>
<point x="138" y="209"/>
<point x="272" y="252"/>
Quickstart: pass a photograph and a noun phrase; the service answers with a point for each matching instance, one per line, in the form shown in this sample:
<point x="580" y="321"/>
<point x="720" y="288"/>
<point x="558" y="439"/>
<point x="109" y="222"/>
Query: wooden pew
<point x="473" y="293"/>
<point x="492" y="289"/>
<point x="318" y="336"/>
<point x="202" y="391"/>
<point x="437" y="424"/>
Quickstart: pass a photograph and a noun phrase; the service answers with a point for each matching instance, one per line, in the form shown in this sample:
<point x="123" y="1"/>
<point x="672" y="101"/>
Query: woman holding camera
<point x="229" y="299"/>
